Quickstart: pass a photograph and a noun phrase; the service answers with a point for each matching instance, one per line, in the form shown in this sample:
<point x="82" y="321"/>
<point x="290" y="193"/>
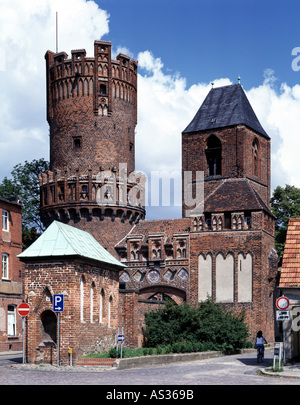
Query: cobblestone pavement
<point x="229" y="370"/>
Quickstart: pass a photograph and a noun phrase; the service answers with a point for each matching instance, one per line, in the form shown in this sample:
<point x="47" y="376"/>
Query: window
<point x="156" y="251"/>
<point x="227" y="220"/>
<point x="101" y="307"/>
<point x="92" y="303"/>
<point x="255" y="157"/>
<point x="11" y="320"/>
<point x="5" y="220"/>
<point x="213" y="156"/>
<point x="81" y="299"/>
<point x="208" y="220"/>
<point x="77" y="143"/>
<point x="247" y="216"/>
<point x="4" y="266"/>
<point x="109" y="311"/>
<point x="84" y="191"/>
<point x="102" y="89"/>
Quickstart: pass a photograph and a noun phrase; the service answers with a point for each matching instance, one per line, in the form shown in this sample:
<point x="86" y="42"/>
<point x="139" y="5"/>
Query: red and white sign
<point x="23" y="309"/>
<point x="282" y="303"/>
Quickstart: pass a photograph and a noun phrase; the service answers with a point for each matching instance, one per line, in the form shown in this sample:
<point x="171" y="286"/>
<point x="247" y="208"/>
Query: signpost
<point x="58" y="303"/>
<point x="23" y="310"/>
<point x="120" y="339"/>
<point x="58" y="306"/>
<point x="278" y="354"/>
<point x="283" y="315"/>
<point x="282" y="304"/>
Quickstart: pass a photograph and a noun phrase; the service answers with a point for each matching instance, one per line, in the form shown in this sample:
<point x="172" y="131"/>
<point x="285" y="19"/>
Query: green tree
<point x="207" y="323"/>
<point x="285" y="204"/>
<point x="25" y="185"/>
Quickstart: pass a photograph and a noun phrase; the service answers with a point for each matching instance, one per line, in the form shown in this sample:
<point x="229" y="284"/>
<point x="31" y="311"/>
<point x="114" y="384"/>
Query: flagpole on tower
<point x="56" y="32"/>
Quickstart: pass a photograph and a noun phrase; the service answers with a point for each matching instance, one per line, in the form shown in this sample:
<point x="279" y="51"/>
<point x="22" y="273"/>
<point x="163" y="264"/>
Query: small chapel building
<point x="66" y="260"/>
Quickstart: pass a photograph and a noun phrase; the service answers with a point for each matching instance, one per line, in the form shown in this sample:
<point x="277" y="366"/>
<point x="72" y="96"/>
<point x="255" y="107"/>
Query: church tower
<point x="92" y="114"/>
<point x="227" y="143"/>
<point x="232" y="255"/>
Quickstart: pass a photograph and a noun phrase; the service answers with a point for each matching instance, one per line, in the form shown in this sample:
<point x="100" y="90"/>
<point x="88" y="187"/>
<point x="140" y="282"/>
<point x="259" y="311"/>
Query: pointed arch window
<point x="255" y="157"/>
<point x="101" y="306"/>
<point x="81" y="298"/>
<point x="214" y="156"/>
<point x="109" y="311"/>
<point x="92" y="302"/>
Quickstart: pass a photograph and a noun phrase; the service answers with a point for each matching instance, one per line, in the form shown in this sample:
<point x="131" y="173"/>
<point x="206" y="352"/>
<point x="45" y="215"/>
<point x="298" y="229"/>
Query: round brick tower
<point x="92" y="114"/>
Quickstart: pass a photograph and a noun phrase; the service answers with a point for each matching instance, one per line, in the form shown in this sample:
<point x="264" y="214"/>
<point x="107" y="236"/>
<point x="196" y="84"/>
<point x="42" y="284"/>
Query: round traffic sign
<point x="23" y="309"/>
<point x="282" y="303"/>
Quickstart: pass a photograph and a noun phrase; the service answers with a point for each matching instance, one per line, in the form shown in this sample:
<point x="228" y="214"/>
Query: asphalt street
<point x="229" y="370"/>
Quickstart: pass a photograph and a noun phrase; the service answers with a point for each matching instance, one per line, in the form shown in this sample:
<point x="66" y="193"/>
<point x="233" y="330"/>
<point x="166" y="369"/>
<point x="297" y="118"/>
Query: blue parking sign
<point x="58" y="302"/>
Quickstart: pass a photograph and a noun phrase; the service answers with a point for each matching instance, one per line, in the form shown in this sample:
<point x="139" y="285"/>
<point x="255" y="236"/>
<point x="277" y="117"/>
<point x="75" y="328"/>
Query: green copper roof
<point x="64" y="240"/>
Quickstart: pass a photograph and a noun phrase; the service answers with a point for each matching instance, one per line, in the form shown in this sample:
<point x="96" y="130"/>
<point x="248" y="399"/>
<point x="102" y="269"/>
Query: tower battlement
<point x="99" y="77"/>
<point x="91" y="109"/>
<point x="92" y="114"/>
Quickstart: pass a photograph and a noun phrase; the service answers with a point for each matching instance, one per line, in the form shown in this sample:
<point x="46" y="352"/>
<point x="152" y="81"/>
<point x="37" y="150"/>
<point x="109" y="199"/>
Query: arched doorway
<point x="48" y="326"/>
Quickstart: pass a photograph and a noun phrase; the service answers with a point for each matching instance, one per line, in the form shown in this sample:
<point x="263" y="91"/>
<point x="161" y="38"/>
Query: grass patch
<point x="126" y="353"/>
<point x="186" y="347"/>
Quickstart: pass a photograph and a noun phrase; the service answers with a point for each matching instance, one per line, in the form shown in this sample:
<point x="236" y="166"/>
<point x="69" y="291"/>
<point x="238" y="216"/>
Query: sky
<point x="182" y="46"/>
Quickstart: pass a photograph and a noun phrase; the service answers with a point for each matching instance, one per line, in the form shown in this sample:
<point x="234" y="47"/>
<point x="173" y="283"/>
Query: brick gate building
<point x="223" y="246"/>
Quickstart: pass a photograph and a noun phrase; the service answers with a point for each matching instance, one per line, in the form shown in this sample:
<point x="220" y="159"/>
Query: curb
<point x="153" y="360"/>
<point x="282" y="374"/>
<point x="11" y="352"/>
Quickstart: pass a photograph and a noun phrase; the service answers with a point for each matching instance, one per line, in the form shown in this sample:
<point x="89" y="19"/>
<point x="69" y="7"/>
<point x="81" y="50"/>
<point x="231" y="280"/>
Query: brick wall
<point x="11" y="290"/>
<point x="81" y="333"/>
<point x="259" y="312"/>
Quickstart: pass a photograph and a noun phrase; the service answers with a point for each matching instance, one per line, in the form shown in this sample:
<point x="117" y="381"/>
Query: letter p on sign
<point x="58" y="303"/>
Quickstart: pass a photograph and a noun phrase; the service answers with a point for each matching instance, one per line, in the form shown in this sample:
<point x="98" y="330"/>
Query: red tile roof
<point x="290" y="271"/>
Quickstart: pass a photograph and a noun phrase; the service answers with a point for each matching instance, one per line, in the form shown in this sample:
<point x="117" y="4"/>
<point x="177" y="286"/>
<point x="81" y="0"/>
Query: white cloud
<point x="27" y="31"/>
<point x="278" y="112"/>
<point x="166" y="107"/>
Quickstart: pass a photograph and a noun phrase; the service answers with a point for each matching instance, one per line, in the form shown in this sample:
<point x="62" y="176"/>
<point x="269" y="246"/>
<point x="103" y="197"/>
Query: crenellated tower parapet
<point x="91" y="109"/>
<point x="92" y="114"/>
<point x="71" y="198"/>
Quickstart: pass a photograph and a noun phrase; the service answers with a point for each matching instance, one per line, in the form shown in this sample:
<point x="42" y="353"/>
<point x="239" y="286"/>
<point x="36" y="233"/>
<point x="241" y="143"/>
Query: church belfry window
<point x="214" y="156"/>
<point x="255" y="157"/>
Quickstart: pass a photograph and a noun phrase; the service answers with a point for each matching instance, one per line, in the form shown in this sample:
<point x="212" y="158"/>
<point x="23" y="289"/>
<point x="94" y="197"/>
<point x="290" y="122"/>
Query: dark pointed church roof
<point x="225" y="106"/>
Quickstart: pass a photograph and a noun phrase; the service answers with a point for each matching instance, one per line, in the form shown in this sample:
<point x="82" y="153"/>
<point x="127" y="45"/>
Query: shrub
<point x="159" y="350"/>
<point x="248" y="345"/>
<point x="206" y="327"/>
<point x="113" y="353"/>
<point x="176" y="348"/>
<point x="168" y="349"/>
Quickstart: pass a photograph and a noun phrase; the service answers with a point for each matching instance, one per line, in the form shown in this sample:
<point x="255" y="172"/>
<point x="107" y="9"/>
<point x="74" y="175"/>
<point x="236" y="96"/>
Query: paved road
<point x="229" y="370"/>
